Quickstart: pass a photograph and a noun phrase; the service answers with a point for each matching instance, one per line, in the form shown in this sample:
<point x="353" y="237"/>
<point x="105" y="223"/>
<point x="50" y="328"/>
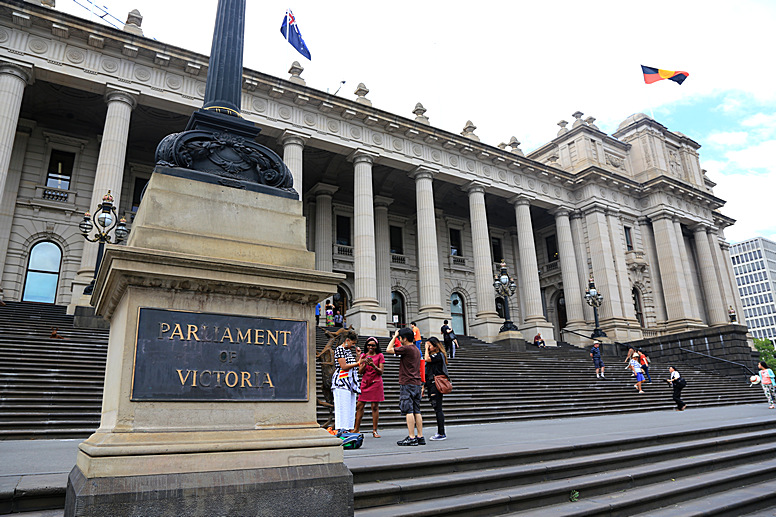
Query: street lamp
<point x="505" y="287"/>
<point x="594" y="299"/>
<point x="104" y="220"/>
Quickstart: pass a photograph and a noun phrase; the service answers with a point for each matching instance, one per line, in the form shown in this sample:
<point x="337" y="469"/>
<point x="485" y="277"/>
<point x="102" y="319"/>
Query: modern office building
<point x="754" y="264"/>
<point x="416" y="217"/>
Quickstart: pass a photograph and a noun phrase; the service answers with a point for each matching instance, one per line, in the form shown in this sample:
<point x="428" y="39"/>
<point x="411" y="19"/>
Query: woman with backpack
<point x="678" y="383"/>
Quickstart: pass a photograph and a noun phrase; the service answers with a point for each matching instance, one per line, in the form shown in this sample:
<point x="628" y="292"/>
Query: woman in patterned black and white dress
<point x="345" y="383"/>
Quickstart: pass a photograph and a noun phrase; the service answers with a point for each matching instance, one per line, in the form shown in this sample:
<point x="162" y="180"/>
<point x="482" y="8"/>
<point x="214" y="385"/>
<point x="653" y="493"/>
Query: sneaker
<point x="408" y="441"/>
<point x="421" y="440"/>
<point x="438" y="437"/>
<point x="770" y="407"/>
<point x="598" y="376"/>
<point x="603" y="376"/>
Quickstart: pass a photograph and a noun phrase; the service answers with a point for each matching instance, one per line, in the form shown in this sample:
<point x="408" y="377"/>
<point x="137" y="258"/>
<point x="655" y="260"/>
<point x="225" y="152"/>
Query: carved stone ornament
<point x="614" y="161"/>
<point x="231" y="156"/>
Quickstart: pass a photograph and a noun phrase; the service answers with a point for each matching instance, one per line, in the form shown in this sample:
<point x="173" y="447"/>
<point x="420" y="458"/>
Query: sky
<point x="517" y="68"/>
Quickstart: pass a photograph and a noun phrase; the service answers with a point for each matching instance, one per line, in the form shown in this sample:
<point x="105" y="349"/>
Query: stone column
<point x="695" y="306"/>
<point x="621" y="269"/>
<point x="109" y="176"/>
<point x="293" y="146"/>
<point x="365" y="315"/>
<point x="533" y="315"/>
<point x="13" y="79"/>
<point x="430" y="313"/>
<point x="672" y="273"/>
<point x="720" y="267"/>
<point x="11" y="192"/>
<point x="487" y="324"/>
<point x="323" y="225"/>
<point x="568" y="268"/>
<point x="604" y="271"/>
<point x="654" y="268"/>
<point x="578" y="238"/>
<point x="736" y="300"/>
<point x="717" y="313"/>
<point x="383" y="251"/>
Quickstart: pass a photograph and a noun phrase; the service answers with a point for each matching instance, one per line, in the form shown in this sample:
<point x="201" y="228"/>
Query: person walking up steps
<point x="644" y="362"/>
<point x="678" y="383"/>
<point x="768" y="382"/>
<point x="598" y="363"/>
<point x="409" y="384"/>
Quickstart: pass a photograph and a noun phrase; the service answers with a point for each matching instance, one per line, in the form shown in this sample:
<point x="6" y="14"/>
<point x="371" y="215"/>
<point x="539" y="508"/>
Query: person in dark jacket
<point x="436" y="364"/>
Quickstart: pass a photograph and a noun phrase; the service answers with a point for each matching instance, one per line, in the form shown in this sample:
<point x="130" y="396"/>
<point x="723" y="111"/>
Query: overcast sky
<point x="519" y="67"/>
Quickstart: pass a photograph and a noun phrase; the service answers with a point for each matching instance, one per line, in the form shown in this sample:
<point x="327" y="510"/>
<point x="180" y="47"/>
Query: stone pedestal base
<point x="85" y="318"/>
<point x="529" y="330"/>
<point x="368" y="320"/>
<point x="430" y="323"/>
<point x="305" y="490"/>
<point x="511" y="339"/>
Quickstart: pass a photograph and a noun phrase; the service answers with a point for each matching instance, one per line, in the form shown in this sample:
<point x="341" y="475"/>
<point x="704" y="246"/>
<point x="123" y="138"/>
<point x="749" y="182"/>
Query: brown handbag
<point x="443" y="384"/>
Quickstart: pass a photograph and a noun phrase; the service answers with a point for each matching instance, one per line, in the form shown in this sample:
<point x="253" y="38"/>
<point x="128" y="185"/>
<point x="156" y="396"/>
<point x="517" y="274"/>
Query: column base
<point x="430" y="322"/>
<point x="279" y="491"/>
<point x="530" y="329"/>
<point x="486" y="327"/>
<point x="368" y="320"/>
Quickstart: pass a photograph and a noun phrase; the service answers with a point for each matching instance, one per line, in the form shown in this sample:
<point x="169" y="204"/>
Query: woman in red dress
<point x="371" y="371"/>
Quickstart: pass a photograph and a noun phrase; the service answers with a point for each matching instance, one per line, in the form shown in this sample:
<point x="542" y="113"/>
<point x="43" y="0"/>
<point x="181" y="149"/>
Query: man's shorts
<point x="598" y="362"/>
<point x="409" y="399"/>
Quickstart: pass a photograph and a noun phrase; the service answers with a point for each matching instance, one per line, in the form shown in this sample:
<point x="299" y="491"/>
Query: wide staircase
<point x="49" y="388"/>
<point x="491" y="384"/>
<point x="725" y="470"/>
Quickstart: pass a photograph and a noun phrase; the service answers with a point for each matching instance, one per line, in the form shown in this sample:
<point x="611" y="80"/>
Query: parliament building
<point x="417" y="218"/>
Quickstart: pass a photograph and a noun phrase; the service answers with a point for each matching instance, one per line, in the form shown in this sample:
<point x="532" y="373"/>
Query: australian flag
<point x="293" y="36"/>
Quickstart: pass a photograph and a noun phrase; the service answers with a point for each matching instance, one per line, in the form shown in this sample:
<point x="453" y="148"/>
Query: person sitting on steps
<point x="538" y="341"/>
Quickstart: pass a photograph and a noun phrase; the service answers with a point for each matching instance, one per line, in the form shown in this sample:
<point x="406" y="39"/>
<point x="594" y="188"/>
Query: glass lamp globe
<point x="105" y="219"/>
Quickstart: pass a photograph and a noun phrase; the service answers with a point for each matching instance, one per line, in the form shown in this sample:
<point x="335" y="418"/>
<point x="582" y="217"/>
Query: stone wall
<point x="727" y="342"/>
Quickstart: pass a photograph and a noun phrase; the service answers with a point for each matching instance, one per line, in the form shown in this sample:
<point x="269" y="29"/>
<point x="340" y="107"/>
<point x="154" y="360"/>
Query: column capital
<point x="382" y="201"/>
<point x="560" y="211"/>
<point x="119" y="94"/>
<point x="659" y="216"/>
<point x="323" y="189"/>
<point x="521" y="199"/>
<point x="419" y="173"/>
<point x="576" y="214"/>
<point x="363" y="156"/>
<point x="725" y="245"/>
<point x="593" y="209"/>
<point x="290" y="136"/>
<point x="700" y="227"/>
<point x="474" y="187"/>
<point x="642" y="220"/>
<point x="23" y="71"/>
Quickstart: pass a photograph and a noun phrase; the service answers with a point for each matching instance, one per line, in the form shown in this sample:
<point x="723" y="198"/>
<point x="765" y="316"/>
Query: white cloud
<point x="727" y="138"/>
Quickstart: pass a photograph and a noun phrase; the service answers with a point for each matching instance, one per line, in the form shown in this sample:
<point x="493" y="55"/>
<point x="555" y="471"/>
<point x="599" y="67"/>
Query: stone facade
<point x="416" y="217"/>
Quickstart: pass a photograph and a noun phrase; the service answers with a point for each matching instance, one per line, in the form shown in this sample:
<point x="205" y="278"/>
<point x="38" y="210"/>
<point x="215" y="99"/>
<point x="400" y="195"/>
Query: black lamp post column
<point x="224" y="75"/>
<point x="505" y="287"/>
<point x="594" y="299"/>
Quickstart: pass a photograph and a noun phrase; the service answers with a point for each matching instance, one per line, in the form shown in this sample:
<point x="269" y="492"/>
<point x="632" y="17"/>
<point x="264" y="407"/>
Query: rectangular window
<point x="60" y="169"/>
<point x="343" y="230"/>
<point x="628" y="239"/>
<point x="552" y="248"/>
<point x="455" y="242"/>
<point x="397" y="240"/>
<point x="498" y="252"/>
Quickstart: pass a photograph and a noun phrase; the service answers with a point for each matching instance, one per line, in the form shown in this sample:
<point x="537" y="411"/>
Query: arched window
<point x="398" y="309"/>
<point x="637" y="306"/>
<point x="458" y="313"/>
<point x="42" y="278"/>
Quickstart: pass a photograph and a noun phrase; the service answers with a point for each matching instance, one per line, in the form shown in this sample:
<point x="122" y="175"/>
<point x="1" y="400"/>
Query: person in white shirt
<point x="678" y="383"/>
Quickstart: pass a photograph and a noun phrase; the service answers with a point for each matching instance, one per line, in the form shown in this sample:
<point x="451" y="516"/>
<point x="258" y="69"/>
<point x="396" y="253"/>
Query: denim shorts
<point x="598" y="362"/>
<point x="409" y="399"/>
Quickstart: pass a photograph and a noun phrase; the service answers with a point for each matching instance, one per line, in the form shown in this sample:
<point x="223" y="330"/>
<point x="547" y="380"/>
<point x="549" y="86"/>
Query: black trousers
<point x="678" y="397"/>
<point x="436" y="402"/>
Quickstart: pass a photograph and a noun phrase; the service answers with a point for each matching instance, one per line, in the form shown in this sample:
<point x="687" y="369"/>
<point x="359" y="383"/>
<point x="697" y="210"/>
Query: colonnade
<point x="598" y="227"/>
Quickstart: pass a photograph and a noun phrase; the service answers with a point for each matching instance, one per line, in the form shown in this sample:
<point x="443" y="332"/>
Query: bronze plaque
<point x="194" y="356"/>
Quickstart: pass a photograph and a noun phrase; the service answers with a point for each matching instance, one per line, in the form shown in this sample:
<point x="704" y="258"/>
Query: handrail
<point x="718" y="359"/>
<point x="586" y="336"/>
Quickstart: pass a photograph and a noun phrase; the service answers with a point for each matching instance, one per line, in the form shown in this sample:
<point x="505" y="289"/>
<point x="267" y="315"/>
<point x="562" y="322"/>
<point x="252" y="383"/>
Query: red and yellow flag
<point x="653" y="75"/>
